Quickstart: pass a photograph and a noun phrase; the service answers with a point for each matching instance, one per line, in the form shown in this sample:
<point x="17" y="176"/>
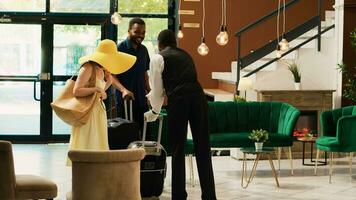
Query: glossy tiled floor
<point x="49" y="161"/>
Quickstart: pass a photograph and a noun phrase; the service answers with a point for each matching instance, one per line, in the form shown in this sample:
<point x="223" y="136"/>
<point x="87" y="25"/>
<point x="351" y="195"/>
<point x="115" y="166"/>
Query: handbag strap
<point x="92" y="79"/>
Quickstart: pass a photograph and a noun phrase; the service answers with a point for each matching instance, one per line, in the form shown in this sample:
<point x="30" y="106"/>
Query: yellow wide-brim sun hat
<point x="107" y="55"/>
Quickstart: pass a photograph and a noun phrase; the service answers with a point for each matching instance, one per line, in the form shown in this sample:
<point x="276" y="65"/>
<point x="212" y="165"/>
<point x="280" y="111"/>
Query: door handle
<point x="35" y="90"/>
<point x="40" y="77"/>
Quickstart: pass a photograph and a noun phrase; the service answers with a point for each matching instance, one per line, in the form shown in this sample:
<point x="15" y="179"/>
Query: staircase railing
<point x="290" y="50"/>
<point x="271" y="46"/>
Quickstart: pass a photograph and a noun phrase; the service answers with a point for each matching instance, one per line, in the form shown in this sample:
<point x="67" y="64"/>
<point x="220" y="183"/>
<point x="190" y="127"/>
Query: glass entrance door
<point x="20" y="64"/>
<point x="70" y="42"/>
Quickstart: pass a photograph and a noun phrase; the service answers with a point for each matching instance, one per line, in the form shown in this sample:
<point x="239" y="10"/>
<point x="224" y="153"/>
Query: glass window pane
<point x="143" y="6"/>
<point x="80" y="6"/>
<point x="23" y="6"/>
<point x="20" y="52"/>
<point x="153" y="27"/>
<point x="59" y="127"/>
<point x="70" y="43"/>
<point x="19" y="112"/>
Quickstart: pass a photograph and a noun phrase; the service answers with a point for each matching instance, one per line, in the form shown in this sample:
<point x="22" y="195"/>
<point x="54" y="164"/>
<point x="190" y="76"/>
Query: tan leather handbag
<point x="73" y="110"/>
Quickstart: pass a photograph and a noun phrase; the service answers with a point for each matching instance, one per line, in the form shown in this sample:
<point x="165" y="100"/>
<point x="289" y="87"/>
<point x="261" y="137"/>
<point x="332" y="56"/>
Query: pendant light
<point x="223" y="38"/>
<point x="203" y="49"/>
<point x="116" y="18"/>
<point x="283" y="44"/>
<point x="180" y="34"/>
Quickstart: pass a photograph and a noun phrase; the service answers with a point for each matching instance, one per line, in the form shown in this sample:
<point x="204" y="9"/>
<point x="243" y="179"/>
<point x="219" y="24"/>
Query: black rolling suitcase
<point x="121" y="132"/>
<point x="153" y="166"/>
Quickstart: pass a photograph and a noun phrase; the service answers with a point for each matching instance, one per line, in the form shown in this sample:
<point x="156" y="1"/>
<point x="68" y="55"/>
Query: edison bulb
<point x="203" y="49"/>
<point x="283" y="45"/>
<point x="222" y="38"/>
<point x="180" y="34"/>
<point x="116" y="18"/>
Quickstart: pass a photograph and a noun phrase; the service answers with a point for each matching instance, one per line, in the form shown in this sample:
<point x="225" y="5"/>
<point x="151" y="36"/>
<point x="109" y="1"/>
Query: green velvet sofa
<point x="230" y="123"/>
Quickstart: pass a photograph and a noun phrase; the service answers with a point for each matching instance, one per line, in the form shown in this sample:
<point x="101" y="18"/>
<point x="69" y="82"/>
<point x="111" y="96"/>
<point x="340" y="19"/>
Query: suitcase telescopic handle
<point x="160" y="118"/>
<point x="128" y="117"/>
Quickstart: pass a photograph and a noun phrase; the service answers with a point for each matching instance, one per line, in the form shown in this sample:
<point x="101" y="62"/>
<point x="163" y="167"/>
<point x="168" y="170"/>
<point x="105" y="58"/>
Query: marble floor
<point x="49" y="161"/>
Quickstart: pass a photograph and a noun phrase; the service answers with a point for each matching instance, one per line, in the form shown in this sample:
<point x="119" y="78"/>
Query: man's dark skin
<point x="136" y="35"/>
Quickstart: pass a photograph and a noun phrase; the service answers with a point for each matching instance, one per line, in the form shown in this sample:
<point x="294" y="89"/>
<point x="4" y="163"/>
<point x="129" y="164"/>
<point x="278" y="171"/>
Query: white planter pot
<point x="297" y="86"/>
<point x="258" y="145"/>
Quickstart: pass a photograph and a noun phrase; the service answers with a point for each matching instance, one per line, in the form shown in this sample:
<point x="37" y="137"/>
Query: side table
<point x="310" y="140"/>
<point x="258" y="153"/>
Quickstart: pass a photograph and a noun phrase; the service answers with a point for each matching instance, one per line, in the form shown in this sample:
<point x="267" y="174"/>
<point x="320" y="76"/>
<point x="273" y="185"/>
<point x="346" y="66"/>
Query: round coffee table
<point x="258" y="153"/>
<point x="310" y="140"/>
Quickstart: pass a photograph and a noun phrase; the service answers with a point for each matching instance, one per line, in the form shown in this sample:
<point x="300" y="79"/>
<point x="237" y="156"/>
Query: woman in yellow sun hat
<point x="106" y="60"/>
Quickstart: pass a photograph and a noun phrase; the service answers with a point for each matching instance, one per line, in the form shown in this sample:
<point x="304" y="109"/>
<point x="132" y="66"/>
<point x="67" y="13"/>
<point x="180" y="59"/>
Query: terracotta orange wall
<point x="239" y="14"/>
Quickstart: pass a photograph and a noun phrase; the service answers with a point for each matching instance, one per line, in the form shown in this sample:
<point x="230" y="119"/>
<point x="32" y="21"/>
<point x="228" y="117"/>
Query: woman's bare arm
<point x="79" y="89"/>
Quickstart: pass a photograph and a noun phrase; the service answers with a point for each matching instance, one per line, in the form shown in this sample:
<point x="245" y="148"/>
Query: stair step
<point x="309" y="45"/>
<point x="255" y="65"/>
<point x="291" y="55"/>
<point x="219" y="95"/>
<point x="229" y="76"/>
<point x="225" y="76"/>
<point x="313" y="32"/>
<point x="329" y="14"/>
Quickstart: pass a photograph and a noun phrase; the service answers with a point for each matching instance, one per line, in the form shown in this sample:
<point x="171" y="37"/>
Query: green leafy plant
<point x="353" y="38"/>
<point x="349" y="74"/>
<point x="350" y="82"/>
<point x="238" y="98"/>
<point x="293" y="67"/>
<point x="259" y="135"/>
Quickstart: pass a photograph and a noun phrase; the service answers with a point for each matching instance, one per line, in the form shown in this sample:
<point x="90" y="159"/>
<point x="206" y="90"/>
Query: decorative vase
<point x="297" y="86"/>
<point x="258" y="145"/>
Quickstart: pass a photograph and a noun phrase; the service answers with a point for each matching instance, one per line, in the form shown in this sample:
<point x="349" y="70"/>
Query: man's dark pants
<point x="193" y="108"/>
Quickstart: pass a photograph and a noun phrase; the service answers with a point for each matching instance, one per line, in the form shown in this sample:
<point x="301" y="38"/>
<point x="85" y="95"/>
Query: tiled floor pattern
<point x="49" y="161"/>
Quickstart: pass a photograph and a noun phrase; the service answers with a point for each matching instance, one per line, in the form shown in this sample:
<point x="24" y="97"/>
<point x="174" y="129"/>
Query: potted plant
<point x="239" y="99"/>
<point x="293" y="67"/>
<point x="259" y="136"/>
<point x="349" y="74"/>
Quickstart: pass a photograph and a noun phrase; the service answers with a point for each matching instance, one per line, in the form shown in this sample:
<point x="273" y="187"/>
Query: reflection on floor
<point x="49" y="161"/>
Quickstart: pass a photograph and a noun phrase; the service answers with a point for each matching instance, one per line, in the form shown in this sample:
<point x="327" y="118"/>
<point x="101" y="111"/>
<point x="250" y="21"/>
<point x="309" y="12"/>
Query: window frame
<point x="47" y="20"/>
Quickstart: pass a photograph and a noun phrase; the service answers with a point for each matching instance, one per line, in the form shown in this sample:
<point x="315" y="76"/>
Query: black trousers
<point x="192" y="108"/>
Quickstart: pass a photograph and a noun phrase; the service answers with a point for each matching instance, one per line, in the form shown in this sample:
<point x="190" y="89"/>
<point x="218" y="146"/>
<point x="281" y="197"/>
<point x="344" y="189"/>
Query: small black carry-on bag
<point x="121" y="132"/>
<point x="153" y="166"/>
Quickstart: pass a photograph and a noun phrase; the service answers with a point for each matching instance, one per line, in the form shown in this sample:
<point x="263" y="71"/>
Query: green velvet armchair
<point x="338" y="134"/>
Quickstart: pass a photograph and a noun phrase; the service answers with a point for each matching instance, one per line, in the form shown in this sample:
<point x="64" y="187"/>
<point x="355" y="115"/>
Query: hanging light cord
<point x="222" y="12"/>
<point x="279" y="5"/>
<point x="203" y="23"/>
<point x="225" y="13"/>
<point x="179" y="8"/>
<point x="284" y="17"/>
